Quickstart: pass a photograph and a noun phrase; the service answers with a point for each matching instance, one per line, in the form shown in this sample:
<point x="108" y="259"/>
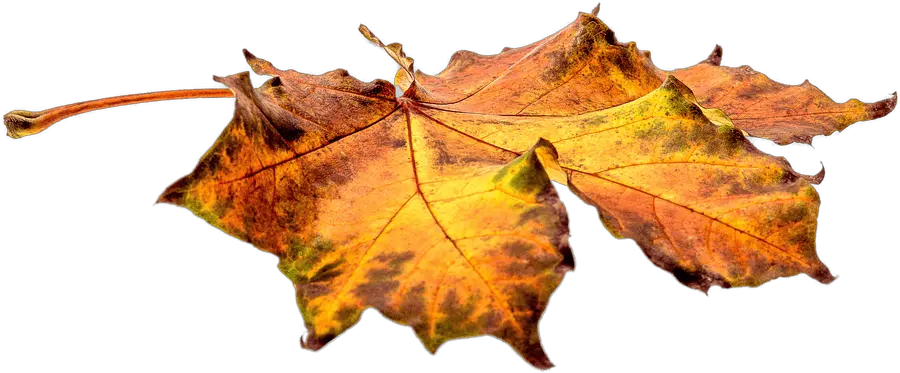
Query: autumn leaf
<point x="436" y="208"/>
<point x="583" y="67"/>
<point x="368" y="204"/>
<point x="699" y="199"/>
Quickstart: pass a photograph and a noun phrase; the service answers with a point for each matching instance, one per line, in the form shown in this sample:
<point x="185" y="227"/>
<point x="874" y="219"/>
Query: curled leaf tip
<point x="395" y="50"/>
<point x="247" y="55"/>
<point x="170" y="198"/>
<point x="817" y="178"/>
<point x="406" y="77"/>
<point x="823" y="275"/>
<point x="545" y="366"/>
<point x="259" y="65"/>
<point x="314" y="343"/>
<point x="369" y="35"/>
<point x="545" y="144"/>
<point x="883" y="107"/>
<point x="549" y="159"/>
<point x="174" y="194"/>
<point x="715" y="58"/>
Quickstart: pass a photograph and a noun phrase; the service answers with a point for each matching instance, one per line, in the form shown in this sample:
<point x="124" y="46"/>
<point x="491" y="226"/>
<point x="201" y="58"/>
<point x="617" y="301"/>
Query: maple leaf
<point x="583" y="67"/>
<point x="442" y="217"/>
<point x="369" y="204"/>
<point x="699" y="199"/>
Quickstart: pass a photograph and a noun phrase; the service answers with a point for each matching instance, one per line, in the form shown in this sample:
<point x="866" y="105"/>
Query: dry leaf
<point x="700" y="200"/>
<point x="583" y="67"/>
<point x="367" y="203"/>
<point x="439" y="213"/>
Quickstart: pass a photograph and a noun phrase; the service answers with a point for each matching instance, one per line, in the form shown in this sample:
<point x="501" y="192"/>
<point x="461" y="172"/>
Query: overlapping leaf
<point x="583" y="67"/>
<point x="679" y="179"/>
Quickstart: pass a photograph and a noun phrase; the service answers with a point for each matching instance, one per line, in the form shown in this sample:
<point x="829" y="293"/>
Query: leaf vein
<point x="322" y="146"/>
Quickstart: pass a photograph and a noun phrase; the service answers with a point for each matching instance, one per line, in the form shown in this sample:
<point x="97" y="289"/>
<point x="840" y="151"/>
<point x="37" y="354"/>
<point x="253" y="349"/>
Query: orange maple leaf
<point x="436" y="207"/>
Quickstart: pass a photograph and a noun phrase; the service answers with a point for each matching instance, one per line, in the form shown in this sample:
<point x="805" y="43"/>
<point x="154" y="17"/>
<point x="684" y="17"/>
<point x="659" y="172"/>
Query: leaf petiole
<point x="20" y="123"/>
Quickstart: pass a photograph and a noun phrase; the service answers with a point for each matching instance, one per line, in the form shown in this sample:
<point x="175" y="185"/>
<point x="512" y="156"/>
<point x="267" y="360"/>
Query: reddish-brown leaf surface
<point x="580" y="68"/>
<point x="583" y="67"/>
<point x="768" y="109"/>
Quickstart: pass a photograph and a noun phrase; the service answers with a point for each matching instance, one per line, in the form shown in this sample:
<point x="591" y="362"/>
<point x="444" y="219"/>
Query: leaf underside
<point x="436" y="208"/>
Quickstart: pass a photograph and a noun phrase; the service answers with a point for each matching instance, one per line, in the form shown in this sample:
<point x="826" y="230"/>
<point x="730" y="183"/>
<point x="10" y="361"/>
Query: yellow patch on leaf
<point x="699" y="199"/>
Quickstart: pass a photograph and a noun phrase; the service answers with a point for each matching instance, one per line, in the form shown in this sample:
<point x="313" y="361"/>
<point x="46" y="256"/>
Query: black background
<point x="86" y="254"/>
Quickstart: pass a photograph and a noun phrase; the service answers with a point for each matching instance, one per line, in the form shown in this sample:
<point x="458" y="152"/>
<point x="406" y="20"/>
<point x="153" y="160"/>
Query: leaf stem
<point x="20" y="123"/>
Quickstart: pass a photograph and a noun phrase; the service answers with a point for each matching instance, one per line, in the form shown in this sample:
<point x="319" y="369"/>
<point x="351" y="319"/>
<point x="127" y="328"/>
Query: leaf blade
<point x="664" y="171"/>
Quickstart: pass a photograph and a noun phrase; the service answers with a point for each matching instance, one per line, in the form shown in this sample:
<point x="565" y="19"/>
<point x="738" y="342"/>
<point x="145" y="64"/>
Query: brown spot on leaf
<point x="443" y="156"/>
<point x="727" y="142"/>
<point x="209" y="165"/>
<point x="699" y="133"/>
<point x="412" y="306"/>
<point x="312" y="291"/>
<point x="526" y="302"/>
<point x="753" y="182"/>
<point x="794" y="213"/>
<point x="802" y="237"/>
<point x="713" y="182"/>
<point x="788" y="177"/>
<point x="536" y="213"/>
<point x="560" y="64"/>
<point x="652" y="131"/>
<point x="328" y="271"/>
<point x="687" y="277"/>
<point x="249" y="221"/>
<point x="568" y="61"/>
<point x="692" y="111"/>
<point x="736" y="188"/>
<point x="376" y="293"/>
<point x="676" y="140"/>
<point x="231" y="146"/>
<point x="381" y="281"/>
<point x="518" y="249"/>
<point x="340" y="175"/>
<point x="221" y="207"/>
<point x="568" y="259"/>
<point x="395" y="259"/>
<point x="697" y="279"/>
<point x="290" y="132"/>
<point x="528" y="260"/>
<point x="397" y="143"/>
<point x="490" y="320"/>
<point x="347" y="316"/>
<point x="457" y="315"/>
<point x="736" y="270"/>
